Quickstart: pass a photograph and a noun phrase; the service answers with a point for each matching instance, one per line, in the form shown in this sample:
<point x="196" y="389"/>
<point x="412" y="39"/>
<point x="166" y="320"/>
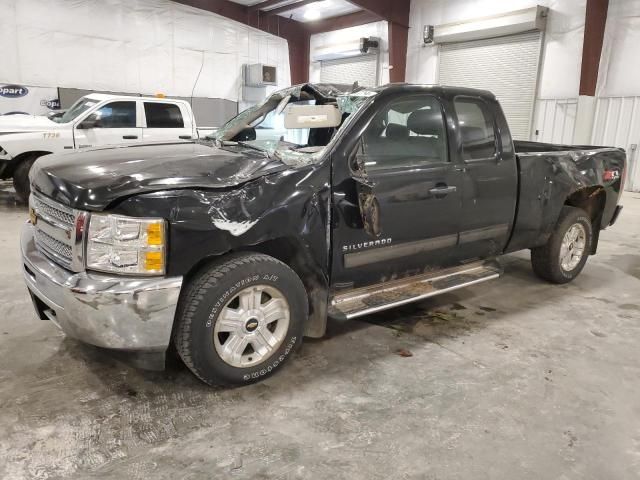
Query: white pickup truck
<point x="94" y="120"/>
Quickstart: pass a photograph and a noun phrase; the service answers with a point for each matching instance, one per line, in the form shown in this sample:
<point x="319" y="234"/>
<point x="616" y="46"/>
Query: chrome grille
<point x="55" y="231"/>
<point x="57" y="212"/>
<point x="54" y="248"/>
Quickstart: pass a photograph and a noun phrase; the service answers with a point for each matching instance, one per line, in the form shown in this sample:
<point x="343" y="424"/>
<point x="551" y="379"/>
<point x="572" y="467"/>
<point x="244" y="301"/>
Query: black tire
<point x="205" y="297"/>
<point x="21" y="177"/>
<point x="546" y="260"/>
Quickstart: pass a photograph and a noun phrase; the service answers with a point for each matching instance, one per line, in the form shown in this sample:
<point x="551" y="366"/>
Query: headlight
<point x="126" y="245"/>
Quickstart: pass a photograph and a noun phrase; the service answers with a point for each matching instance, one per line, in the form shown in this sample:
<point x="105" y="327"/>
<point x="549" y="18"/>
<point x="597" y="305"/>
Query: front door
<point x="115" y="123"/>
<point x="398" y="201"/>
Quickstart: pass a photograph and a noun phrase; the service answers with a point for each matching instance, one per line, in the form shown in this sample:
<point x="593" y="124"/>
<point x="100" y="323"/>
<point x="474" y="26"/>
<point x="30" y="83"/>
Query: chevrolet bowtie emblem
<point x="33" y="218"/>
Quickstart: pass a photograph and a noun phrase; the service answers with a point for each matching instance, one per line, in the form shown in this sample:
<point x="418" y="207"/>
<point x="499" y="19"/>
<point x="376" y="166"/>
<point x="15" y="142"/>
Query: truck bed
<point x="549" y="174"/>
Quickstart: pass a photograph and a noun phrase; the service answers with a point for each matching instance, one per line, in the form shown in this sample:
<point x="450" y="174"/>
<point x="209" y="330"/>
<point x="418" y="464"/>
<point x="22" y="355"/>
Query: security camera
<point x="368" y="43"/>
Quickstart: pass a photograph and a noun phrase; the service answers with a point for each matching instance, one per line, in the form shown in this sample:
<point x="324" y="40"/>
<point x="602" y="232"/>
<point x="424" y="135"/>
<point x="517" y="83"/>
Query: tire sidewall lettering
<point x="228" y="295"/>
<point x="272" y="365"/>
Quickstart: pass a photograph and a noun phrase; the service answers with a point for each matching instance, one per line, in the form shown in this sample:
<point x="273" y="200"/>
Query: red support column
<point x="595" y="20"/>
<point x="398" y="39"/>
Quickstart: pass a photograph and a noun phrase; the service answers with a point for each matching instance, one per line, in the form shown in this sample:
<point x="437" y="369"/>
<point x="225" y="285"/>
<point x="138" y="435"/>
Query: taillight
<point x="610" y="175"/>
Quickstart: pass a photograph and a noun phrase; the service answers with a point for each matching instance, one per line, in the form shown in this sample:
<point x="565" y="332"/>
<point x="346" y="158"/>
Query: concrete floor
<point x="514" y="379"/>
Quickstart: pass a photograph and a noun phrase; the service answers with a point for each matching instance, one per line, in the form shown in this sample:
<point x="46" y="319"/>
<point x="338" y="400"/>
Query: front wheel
<point x="564" y="255"/>
<point x="240" y="319"/>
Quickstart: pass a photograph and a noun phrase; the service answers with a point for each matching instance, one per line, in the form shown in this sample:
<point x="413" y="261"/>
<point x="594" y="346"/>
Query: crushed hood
<point x="93" y="179"/>
<point x="25" y="123"/>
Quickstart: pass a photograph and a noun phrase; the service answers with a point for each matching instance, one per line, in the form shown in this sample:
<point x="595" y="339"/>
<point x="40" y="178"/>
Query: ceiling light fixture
<point x="312" y="14"/>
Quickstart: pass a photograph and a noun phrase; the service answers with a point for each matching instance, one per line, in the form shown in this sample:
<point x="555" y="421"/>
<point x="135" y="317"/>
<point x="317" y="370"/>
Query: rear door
<point x="114" y="123"/>
<point x="489" y="184"/>
<point x="402" y="217"/>
<point x="166" y="121"/>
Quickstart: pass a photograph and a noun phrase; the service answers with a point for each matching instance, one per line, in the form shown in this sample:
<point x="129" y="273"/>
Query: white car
<point x="94" y="120"/>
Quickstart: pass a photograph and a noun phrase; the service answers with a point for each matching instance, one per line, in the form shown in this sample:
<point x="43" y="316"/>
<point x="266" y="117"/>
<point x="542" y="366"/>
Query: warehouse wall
<point x="554" y="115"/>
<point x="132" y="46"/>
<point x="617" y="120"/>
<point x="341" y="39"/>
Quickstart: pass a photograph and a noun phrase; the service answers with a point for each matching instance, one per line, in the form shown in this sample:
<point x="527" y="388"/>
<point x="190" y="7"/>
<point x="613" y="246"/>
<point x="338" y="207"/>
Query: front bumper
<point x="119" y="312"/>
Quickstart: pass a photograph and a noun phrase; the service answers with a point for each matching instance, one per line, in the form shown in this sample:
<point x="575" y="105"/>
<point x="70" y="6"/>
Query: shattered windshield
<point x="295" y="124"/>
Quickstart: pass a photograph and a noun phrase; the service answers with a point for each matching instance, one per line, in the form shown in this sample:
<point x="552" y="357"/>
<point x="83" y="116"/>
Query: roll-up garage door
<point x="362" y="69"/>
<point x="508" y="66"/>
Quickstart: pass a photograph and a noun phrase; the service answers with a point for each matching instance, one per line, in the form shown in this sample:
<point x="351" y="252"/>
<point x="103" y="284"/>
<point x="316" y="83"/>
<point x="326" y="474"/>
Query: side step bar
<point x="375" y="298"/>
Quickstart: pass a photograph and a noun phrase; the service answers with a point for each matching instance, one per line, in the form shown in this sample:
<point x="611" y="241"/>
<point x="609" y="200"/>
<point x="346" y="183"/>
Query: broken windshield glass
<point x="265" y="127"/>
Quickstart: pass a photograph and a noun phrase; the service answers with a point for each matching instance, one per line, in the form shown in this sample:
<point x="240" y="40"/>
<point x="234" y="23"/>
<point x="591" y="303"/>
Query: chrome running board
<point x="375" y="298"/>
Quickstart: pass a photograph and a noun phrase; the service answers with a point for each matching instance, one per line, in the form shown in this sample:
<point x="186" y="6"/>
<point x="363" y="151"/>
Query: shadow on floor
<point x="8" y="202"/>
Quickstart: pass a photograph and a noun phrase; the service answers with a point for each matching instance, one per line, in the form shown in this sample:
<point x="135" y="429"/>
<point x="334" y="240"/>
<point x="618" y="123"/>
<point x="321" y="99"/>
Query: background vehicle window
<point x="476" y="129"/>
<point x="163" y="115"/>
<point x="117" y="115"/>
<point x="407" y="133"/>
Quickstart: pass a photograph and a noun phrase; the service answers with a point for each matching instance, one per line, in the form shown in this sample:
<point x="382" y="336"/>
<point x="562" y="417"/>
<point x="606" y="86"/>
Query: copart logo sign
<point x="51" y="104"/>
<point x="13" y="91"/>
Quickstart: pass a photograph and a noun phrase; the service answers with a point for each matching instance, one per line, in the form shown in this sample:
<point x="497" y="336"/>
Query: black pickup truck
<point x="322" y="201"/>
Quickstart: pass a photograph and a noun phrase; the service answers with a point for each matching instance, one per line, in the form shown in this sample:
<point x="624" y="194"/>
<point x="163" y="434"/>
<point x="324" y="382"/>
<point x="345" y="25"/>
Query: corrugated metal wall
<point x="617" y="124"/>
<point x="554" y="120"/>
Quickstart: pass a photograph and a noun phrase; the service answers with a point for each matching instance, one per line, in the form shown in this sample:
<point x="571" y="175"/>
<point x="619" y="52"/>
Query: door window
<point x="407" y="133"/>
<point x="116" y="115"/>
<point x="476" y="129"/>
<point x="163" y="115"/>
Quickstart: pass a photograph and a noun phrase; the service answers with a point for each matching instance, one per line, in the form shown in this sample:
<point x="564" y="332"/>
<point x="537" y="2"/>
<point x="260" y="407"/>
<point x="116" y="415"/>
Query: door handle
<point x="185" y="137"/>
<point x="130" y="137"/>
<point x="442" y="191"/>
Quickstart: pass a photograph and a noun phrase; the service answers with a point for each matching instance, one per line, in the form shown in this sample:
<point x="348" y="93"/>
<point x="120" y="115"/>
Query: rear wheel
<point x="566" y="252"/>
<point x="240" y="319"/>
<point x="21" y="177"/>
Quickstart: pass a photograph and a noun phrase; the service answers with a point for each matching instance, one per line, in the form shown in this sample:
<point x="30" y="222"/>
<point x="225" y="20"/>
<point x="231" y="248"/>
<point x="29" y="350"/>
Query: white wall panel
<point x="562" y="49"/>
<point x="617" y="124"/>
<point x="337" y="40"/>
<point x="619" y="73"/>
<point x="132" y="46"/>
<point x="554" y="120"/>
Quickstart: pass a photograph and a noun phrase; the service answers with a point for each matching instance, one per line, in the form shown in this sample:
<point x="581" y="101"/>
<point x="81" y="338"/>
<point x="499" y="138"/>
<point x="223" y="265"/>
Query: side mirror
<point x="246" y="135"/>
<point x="92" y="121"/>
<point x="369" y="208"/>
<point x="357" y="162"/>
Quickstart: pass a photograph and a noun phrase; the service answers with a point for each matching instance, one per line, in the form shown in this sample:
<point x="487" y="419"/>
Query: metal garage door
<point x="362" y="69"/>
<point x="508" y="66"/>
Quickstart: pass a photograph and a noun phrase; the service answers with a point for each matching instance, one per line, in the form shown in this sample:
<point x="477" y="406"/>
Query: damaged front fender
<point x="284" y="214"/>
